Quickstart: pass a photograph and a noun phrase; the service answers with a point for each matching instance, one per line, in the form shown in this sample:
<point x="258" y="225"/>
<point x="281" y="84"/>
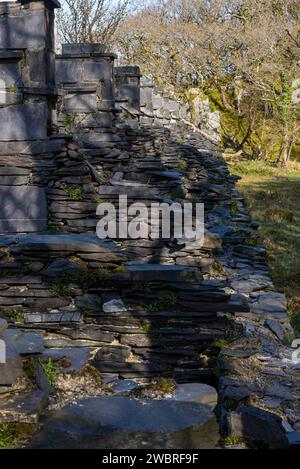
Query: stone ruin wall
<point x="86" y="102"/>
<point x="27" y="82"/>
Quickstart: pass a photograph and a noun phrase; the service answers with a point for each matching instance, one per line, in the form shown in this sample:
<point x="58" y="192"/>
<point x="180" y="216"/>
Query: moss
<point x="74" y="192"/>
<point x="69" y="120"/>
<point x="232" y="440"/>
<point x="7" y="435"/>
<point x="90" y="370"/>
<point x="146" y="327"/>
<point x="50" y="368"/>
<point x="170" y="300"/>
<point x="15" y="315"/>
<point x="60" y="288"/>
<point x="221" y="343"/>
<point x="182" y="165"/>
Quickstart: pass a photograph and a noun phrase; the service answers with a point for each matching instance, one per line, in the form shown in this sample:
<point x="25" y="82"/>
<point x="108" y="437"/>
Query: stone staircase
<point x="128" y="309"/>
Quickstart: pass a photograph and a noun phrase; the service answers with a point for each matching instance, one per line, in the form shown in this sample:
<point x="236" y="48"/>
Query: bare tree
<point x="90" y="21"/>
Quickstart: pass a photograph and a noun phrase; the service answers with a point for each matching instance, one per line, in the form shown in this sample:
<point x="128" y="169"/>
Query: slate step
<point x="89" y="243"/>
<point x="120" y="422"/>
<point x="158" y="273"/>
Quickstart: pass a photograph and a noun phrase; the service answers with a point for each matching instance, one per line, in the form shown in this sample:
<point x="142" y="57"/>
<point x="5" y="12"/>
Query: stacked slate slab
<point x="146" y="93"/>
<point x="86" y="105"/>
<point x="128" y="102"/>
<point x="27" y="99"/>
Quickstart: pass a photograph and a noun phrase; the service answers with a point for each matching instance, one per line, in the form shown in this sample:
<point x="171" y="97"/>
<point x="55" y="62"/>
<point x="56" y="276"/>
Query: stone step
<point x="158" y="273"/>
<point x="121" y="422"/>
<point x="89" y="243"/>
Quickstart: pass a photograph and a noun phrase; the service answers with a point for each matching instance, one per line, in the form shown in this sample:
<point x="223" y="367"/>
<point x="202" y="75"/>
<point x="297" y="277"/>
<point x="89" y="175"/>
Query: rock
<point x="25" y="408"/>
<point x="276" y="390"/>
<point x="196" y="392"/>
<point x="237" y="353"/>
<point x="252" y="284"/>
<point x="257" y="425"/>
<point x="61" y="317"/>
<point x="36" y="266"/>
<point x="271" y="304"/>
<point x="87" y="242"/>
<point x="127" y="423"/>
<point x="294" y="439"/>
<point x="42" y="380"/>
<point x="61" y="266"/>
<point x="158" y="273"/>
<point x="3" y="325"/>
<point x="89" y="301"/>
<point x="272" y="403"/>
<point x="24" y="342"/>
<point x="113" y="352"/>
<point x="25" y="209"/>
<point x="114" y="306"/>
<point x="236" y="393"/>
<point x="11" y="370"/>
<point x="276" y="328"/>
<point x="124" y="386"/>
<point x="76" y="356"/>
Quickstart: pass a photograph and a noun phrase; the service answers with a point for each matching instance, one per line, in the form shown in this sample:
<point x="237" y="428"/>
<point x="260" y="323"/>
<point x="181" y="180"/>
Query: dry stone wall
<point x="128" y="99"/>
<point x="126" y="316"/>
<point x="84" y="76"/>
<point x="27" y="82"/>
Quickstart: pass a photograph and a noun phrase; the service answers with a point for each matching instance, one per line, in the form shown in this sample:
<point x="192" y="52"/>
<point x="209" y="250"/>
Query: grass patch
<point x="60" y="288"/>
<point x="170" y="300"/>
<point x="273" y="201"/>
<point x="74" y="192"/>
<point x="232" y="440"/>
<point x="50" y="369"/>
<point x="182" y="165"/>
<point x="7" y="435"/>
<point x="14" y="315"/>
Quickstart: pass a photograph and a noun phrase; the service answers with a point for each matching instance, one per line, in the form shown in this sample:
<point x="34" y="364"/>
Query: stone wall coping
<point x="96" y="55"/>
<point x="51" y="4"/>
<point x="10" y="54"/>
<point x="128" y="71"/>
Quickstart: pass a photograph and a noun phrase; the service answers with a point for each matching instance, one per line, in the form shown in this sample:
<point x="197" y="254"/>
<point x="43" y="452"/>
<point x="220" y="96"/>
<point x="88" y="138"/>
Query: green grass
<point x="50" y="368"/>
<point x="273" y="200"/>
<point x="74" y="193"/>
<point x="60" y="288"/>
<point x="165" y="303"/>
<point x="7" y="435"/>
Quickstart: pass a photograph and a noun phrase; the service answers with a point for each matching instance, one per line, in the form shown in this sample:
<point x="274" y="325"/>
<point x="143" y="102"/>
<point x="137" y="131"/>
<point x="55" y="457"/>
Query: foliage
<point x="7" y="435"/>
<point x="93" y="21"/>
<point x="74" y="193"/>
<point x="243" y="55"/>
<point x="279" y="196"/>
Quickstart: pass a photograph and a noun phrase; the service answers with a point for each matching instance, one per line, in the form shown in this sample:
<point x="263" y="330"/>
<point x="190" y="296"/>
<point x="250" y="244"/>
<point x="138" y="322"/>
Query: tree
<point x="243" y="54"/>
<point x="90" y="21"/>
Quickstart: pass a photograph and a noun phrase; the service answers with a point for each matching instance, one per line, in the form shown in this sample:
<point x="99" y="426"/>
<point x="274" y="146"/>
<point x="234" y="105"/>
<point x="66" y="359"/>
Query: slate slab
<point x="24" y="122"/>
<point x="22" y="209"/>
<point x="258" y="425"/>
<point x="122" y="422"/>
<point x="196" y="392"/>
<point x="24" y="342"/>
<point x="25" y="408"/>
<point x="88" y="242"/>
<point x="59" y="317"/>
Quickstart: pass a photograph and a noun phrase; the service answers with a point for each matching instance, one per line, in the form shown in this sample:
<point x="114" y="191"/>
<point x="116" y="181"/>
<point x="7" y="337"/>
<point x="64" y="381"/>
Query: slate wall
<point x="27" y="69"/>
<point x="128" y="99"/>
<point x="27" y="98"/>
<point x="84" y="77"/>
